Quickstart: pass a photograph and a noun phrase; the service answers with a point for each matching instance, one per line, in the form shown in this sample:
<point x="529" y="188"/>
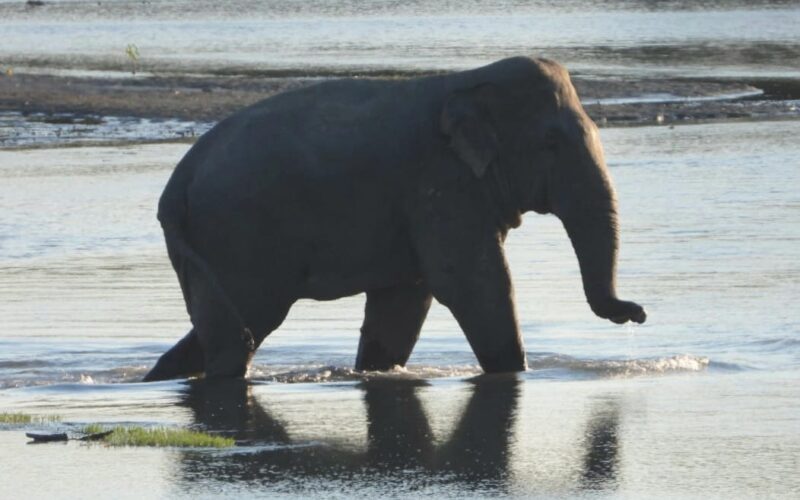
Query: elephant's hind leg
<point x="227" y="346"/>
<point x="184" y="359"/>
<point x="392" y="322"/>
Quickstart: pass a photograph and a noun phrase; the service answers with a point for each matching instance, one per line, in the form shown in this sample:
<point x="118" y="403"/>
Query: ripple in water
<point x="622" y="368"/>
<point x="554" y="366"/>
<point x="328" y="373"/>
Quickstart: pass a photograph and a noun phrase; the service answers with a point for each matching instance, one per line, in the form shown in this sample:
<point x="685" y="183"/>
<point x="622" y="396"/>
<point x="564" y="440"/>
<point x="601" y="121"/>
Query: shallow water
<point x="702" y="400"/>
<point x="31" y="130"/>
<point x="598" y="37"/>
<point x="643" y="437"/>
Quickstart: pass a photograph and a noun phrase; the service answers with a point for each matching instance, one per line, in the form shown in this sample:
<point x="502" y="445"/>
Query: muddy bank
<point x="146" y="108"/>
<point x="672" y="101"/>
<point x="184" y="98"/>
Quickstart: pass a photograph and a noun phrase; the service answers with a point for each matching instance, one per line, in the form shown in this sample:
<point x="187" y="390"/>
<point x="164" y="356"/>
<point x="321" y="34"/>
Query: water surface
<point x="703" y="399"/>
<point x="597" y="37"/>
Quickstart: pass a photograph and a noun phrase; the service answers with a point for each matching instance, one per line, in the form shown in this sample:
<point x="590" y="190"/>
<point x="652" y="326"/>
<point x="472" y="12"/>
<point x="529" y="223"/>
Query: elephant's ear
<point x="467" y="121"/>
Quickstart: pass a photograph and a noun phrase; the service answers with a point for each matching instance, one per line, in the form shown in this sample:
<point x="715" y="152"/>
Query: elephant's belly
<point x="330" y="284"/>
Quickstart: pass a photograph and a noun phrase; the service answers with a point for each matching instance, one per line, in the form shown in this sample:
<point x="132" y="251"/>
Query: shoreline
<point x="201" y="100"/>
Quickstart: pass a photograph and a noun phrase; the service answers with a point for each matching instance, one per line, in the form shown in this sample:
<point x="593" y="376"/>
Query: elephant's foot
<point x="509" y="357"/>
<point x="373" y="355"/>
<point x="392" y="322"/>
<point x="227" y="356"/>
<point x="511" y="362"/>
<point x="231" y="362"/>
<point x="184" y="359"/>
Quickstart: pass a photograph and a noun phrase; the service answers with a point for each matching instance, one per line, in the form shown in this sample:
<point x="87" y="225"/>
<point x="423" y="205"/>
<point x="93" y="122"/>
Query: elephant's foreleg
<point x="392" y="322"/>
<point x="473" y="281"/>
<point x="184" y="359"/>
<point x="491" y="328"/>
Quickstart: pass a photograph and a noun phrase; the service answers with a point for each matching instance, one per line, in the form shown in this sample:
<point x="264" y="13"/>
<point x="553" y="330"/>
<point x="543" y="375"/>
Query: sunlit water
<point x="623" y="37"/>
<point x="702" y="399"/>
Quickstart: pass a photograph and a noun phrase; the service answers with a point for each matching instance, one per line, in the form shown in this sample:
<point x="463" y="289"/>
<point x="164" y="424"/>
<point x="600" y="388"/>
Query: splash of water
<point x="625" y="367"/>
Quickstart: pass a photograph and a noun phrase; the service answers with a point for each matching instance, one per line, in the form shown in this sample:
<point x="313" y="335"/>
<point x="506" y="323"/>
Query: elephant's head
<point x="519" y="126"/>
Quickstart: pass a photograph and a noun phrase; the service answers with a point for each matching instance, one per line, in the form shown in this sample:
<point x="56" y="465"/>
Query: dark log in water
<point x="47" y="438"/>
<point x="62" y="436"/>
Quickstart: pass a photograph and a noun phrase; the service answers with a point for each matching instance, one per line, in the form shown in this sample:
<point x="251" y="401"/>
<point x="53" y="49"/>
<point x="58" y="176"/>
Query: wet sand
<point x="610" y="102"/>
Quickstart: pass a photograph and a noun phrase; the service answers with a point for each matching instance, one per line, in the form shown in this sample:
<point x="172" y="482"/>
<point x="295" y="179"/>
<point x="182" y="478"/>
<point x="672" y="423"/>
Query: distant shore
<point x="610" y="102"/>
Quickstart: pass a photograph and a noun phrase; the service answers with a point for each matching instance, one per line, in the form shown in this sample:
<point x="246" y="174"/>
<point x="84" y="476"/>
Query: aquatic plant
<point x="158" y="436"/>
<point x="24" y="418"/>
<point x="94" y="429"/>
<point x="132" y="51"/>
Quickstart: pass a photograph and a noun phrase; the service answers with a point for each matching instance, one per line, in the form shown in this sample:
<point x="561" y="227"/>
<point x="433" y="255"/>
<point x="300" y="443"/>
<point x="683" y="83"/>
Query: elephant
<point x="402" y="189"/>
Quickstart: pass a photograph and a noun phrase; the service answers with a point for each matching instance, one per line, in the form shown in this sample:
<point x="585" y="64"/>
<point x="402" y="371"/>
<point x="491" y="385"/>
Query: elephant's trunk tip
<point x="618" y="311"/>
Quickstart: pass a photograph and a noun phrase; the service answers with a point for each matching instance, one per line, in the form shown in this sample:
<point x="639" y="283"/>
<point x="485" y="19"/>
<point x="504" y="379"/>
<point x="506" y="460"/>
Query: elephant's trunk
<point x="595" y="238"/>
<point x="588" y="211"/>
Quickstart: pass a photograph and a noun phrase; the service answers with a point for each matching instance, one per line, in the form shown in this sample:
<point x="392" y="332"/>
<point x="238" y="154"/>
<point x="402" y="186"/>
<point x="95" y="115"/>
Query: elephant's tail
<point x="172" y="216"/>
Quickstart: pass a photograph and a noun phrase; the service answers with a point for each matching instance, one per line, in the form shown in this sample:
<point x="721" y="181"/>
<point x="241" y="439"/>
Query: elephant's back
<point x="336" y="128"/>
<point x="330" y="134"/>
<point x="297" y="164"/>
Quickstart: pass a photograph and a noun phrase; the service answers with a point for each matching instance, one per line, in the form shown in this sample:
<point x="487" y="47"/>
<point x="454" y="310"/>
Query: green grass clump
<point x="159" y="436"/>
<point x="24" y="418"/>
<point x="94" y="429"/>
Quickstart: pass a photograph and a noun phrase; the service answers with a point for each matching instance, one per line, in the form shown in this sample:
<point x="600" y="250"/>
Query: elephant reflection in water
<point x="400" y="441"/>
<point x="601" y="462"/>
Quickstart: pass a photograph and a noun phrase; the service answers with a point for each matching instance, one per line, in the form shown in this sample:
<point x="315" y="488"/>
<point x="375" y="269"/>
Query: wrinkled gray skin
<point x="404" y="190"/>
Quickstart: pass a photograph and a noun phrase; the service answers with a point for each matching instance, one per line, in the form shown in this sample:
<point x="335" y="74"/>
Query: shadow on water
<point x="601" y="461"/>
<point x="401" y="454"/>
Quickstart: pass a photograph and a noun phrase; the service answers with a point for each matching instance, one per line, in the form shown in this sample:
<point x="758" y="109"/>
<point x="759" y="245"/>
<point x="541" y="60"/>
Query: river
<point x="701" y="401"/>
